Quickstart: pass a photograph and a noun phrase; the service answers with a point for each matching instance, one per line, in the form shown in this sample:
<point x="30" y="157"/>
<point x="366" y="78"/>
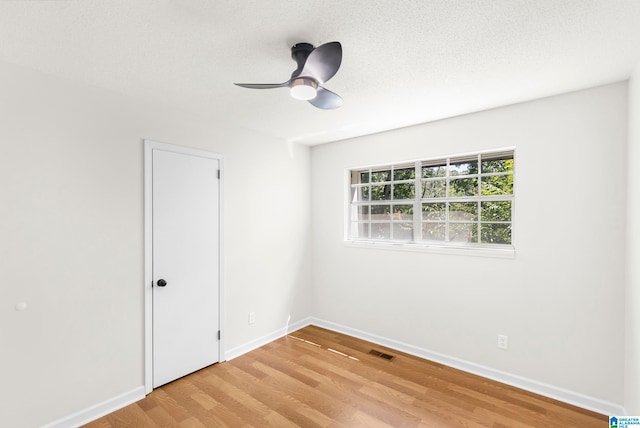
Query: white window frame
<point x="447" y="247"/>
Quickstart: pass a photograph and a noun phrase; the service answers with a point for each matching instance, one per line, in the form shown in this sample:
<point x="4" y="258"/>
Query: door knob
<point x="161" y="283"/>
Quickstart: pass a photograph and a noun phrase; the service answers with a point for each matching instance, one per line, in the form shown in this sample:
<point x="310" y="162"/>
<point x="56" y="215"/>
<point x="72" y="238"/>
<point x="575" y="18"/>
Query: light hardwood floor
<point x="319" y="378"/>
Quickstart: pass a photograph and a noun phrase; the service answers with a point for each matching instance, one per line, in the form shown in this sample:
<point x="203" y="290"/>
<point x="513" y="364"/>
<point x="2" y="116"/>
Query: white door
<point x="185" y="263"/>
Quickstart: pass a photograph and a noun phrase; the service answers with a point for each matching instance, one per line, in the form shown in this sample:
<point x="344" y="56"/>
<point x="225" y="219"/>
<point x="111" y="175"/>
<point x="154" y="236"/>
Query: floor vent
<point x="382" y="355"/>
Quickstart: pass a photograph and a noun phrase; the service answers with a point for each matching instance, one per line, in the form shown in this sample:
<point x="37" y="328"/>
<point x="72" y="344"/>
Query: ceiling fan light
<point x="304" y="89"/>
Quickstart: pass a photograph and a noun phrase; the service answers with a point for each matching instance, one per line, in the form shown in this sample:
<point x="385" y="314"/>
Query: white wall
<point x="632" y="298"/>
<point x="71" y="238"/>
<point x="559" y="300"/>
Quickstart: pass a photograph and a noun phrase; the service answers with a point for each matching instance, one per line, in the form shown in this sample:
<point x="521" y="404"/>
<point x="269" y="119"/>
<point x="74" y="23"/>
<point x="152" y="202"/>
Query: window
<point x="464" y="200"/>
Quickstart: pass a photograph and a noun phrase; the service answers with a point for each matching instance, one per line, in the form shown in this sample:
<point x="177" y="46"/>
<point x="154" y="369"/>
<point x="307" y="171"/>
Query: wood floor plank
<point x="195" y="402"/>
<point x="286" y="404"/>
<point x="161" y="417"/>
<point x="129" y="417"/>
<point x="317" y="378"/>
<point x="171" y="406"/>
<point x="345" y="386"/>
<point x="192" y="422"/>
<point x="337" y="371"/>
<point x="327" y="404"/>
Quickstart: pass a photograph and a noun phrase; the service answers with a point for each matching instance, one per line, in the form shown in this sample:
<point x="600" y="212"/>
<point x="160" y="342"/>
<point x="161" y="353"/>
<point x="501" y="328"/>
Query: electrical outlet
<point x="252" y="317"/>
<point x="503" y="341"/>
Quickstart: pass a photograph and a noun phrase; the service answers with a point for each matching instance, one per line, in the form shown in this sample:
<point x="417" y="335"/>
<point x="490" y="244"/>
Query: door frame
<point x="149" y="147"/>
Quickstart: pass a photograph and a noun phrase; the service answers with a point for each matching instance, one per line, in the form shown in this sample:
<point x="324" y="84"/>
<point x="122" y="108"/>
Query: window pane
<point x="403" y="231"/>
<point x="496" y="211"/>
<point x="360" y="194"/>
<point x="404" y="191"/>
<point x="433" y="231"/>
<point x="463" y="232"/>
<point x="438" y="170"/>
<point x="381" y="193"/>
<point x="497" y="165"/>
<point x="377" y="176"/>
<point x="463" y="211"/>
<point x="360" y="230"/>
<point x="463" y="187"/>
<point x="364" y="177"/>
<point x="380" y="212"/>
<point x="404" y="174"/>
<point x="497" y="185"/>
<point x="434" y="211"/>
<point x="402" y="212"/>
<point x="434" y="189"/>
<point x="496" y="233"/>
<point x="463" y="168"/>
<point x="381" y="231"/>
<point x="361" y="213"/>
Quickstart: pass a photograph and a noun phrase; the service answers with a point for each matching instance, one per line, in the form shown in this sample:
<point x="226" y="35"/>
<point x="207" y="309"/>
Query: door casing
<point x="149" y="146"/>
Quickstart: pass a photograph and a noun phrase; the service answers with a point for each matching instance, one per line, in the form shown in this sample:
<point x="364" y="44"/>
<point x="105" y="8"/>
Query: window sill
<point x="500" y="253"/>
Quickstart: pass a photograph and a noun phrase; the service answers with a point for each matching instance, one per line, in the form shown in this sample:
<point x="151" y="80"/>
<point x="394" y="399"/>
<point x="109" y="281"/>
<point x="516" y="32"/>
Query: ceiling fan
<point x="316" y="65"/>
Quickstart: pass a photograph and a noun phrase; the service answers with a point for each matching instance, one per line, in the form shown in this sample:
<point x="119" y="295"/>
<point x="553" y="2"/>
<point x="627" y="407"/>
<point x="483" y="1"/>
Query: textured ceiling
<point x="404" y="62"/>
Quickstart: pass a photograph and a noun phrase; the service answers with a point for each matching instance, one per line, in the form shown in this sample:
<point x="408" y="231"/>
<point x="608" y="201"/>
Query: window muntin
<point x="461" y="200"/>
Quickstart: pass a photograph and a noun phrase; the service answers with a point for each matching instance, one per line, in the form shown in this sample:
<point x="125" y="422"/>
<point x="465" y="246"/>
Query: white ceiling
<point x="404" y="62"/>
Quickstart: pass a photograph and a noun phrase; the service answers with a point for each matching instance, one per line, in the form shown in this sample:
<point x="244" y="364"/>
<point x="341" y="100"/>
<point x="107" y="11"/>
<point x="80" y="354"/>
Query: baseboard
<point x="550" y="391"/>
<point x="97" y="411"/>
<point x="261" y="341"/>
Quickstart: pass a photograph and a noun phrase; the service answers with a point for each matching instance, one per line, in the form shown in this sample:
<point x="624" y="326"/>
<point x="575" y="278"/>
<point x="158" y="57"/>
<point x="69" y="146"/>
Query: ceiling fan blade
<point x="326" y="100"/>
<point x="323" y="62"/>
<point x="263" y="85"/>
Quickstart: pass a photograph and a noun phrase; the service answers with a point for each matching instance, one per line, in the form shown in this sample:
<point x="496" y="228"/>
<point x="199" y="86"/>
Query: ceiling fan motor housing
<point x="299" y="53"/>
